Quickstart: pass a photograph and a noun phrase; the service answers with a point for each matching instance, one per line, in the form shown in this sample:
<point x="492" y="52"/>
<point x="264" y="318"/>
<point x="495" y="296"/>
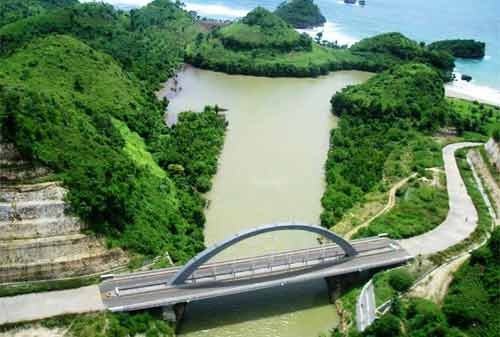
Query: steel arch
<point x="189" y="268"/>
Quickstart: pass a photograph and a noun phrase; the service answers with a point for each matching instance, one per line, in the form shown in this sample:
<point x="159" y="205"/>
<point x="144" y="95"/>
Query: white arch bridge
<point x="201" y="279"/>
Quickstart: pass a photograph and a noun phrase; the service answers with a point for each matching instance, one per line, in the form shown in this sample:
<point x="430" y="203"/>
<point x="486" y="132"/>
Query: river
<point x="270" y="170"/>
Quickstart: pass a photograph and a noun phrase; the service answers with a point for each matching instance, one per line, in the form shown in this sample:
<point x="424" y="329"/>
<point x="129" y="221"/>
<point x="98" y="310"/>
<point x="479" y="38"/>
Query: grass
<point x="419" y="208"/>
<point x="104" y="324"/>
<point x="484" y="222"/>
<point x="135" y="149"/>
<point x="37" y="287"/>
<point x="474" y="116"/>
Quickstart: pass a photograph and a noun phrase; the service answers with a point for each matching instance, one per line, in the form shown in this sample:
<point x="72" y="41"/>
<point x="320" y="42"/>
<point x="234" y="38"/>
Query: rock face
<point x="493" y="149"/>
<point x="39" y="239"/>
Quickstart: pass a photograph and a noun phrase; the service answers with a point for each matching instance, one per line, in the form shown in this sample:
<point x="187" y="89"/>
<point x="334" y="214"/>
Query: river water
<point x="271" y="170"/>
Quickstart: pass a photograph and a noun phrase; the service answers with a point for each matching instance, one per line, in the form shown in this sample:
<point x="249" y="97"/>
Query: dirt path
<point x="435" y="286"/>
<point x="390" y="204"/>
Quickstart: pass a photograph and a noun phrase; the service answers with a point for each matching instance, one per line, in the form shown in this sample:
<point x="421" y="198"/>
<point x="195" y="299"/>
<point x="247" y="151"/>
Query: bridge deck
<point x="149" y="289"/>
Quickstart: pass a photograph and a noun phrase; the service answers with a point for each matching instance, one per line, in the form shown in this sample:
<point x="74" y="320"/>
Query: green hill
<point x="412" y="91"/>
<point x="300" y="13"/>
<point x="395" y="48"/>
<point x="148" y="43"/>
<point x="471" y="49"/>
<point x="73" y="109"/>
<point x="14" y="10"/>
<point x="382" y="125"/>
<point x="262" y="29"/>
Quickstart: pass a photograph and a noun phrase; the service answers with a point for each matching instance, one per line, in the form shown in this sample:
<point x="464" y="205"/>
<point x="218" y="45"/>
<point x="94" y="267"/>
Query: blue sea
<point x="422" y="20"/>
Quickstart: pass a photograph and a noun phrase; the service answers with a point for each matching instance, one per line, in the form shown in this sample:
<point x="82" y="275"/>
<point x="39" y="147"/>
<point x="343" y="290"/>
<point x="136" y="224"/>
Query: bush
<point x="401" y="280"/>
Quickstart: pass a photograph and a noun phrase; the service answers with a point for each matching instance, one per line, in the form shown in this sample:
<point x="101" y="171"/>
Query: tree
<point x="401" y="280"/>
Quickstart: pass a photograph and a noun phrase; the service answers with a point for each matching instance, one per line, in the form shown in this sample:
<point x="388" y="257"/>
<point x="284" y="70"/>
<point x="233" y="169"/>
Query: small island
<point x="467" y="49"/>
<point x="301" y="14"/>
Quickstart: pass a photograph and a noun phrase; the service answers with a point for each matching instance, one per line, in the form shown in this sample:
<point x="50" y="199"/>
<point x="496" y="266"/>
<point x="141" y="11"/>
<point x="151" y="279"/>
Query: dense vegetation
<point x="262" y="29"/>
<point x="473" y="300"/>
<point x="300" y="13"/>
<point x="395" y="48"/>
<point x="414" y="317"/>
<point x="262" y="44"/>
<point x="420" y="207"/>
<point x="381" y="117"/>
<point x="470" y="307"/>
<point x="149" y="42"/>
<point x="470" y="49"/>
<point x="474" y="117"/>
<point x="73" y="109"/>
<point x="14" y="10"/>
<point x="148" y="324"/>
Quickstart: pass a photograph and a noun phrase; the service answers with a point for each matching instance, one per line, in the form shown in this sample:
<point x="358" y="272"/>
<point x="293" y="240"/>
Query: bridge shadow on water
<point x="255" y="306"/>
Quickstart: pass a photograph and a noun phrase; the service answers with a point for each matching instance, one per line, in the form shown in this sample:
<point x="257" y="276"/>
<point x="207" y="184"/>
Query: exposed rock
<point x="39" y="238"/>
<point x="493" y="149"/>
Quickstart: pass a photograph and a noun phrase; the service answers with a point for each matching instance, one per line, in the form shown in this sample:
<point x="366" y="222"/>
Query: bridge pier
<point x="173" y="313"/>
<point x="339" y="285"/>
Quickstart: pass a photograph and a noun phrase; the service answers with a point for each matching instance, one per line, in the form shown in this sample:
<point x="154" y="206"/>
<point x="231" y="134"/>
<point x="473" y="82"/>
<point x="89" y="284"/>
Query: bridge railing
<point x="268" y="264"/>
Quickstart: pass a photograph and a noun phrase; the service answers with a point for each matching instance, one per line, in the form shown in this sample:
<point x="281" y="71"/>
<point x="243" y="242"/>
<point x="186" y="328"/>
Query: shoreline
<point x="453" y="91"/>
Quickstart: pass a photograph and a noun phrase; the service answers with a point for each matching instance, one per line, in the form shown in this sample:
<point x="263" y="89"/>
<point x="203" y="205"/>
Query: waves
<point x="216" y="10"/>
<point x="331" y="32"/>
<point x="472" y="91"/>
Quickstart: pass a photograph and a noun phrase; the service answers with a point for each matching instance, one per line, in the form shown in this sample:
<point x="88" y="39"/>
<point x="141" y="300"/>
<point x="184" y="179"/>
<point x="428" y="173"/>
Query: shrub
<point x="401" y="280"/>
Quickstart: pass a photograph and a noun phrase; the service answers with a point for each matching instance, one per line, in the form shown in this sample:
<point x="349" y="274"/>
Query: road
<point x="366" y="307"/>
<point x="32" y="307"/>
<point x="150" y="290"/>
<point x="462" y="216"/>
<point x="460" y="222"/>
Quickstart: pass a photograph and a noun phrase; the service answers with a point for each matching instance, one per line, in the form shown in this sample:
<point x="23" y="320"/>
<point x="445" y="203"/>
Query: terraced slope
<point x="39" y="239"/>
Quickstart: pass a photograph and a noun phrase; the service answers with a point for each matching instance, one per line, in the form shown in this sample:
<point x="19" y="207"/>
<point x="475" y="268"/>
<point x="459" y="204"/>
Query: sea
<point x="422" y="20"/>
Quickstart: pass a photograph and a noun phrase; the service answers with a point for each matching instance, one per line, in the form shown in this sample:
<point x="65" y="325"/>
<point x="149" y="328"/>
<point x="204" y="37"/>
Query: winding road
<point x="459" y="224"/>
<point x="462" y="215"/>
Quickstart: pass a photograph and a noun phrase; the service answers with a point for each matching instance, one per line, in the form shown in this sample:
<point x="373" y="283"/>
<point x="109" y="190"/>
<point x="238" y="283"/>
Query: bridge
<point x="201" y="279"/>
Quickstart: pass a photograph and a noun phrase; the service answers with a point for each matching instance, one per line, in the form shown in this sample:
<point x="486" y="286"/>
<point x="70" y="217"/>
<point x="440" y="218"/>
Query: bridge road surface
<point x="149" y="289"/>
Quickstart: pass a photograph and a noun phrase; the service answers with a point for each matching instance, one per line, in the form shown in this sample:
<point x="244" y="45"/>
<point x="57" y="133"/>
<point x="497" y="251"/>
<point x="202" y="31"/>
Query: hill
<point x="74" y="110"/>
<point x="413" y="91"/>
<point x="470" y="49"/>
<point x="262" y="29"/>
<point x="263" y="45"/>
<point x="383" y="123"/>
<point x="395" y="48"/>
<point x="14" y="10"/>
<point x="300" y="13"/>
<point x="149" y="42"/>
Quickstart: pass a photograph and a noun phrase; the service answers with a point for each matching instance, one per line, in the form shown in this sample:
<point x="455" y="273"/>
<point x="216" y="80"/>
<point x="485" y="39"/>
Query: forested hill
<point x="300" y="13"/>
<point x="148" y="42"/>
<point x="13" y="10"/>
<point x="397" y="48"/>
<point x="77" y="94"/>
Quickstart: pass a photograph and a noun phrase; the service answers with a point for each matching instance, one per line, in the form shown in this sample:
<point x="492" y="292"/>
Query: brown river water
<point x="271" y="171"/>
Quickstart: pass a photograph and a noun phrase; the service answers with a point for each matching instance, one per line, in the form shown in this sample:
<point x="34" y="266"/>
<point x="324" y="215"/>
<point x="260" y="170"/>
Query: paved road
<point x="366" y="307"/>
<point x="460" y="222"/>
<point x="462" y="215"/>
<point x="43" y="305"/>
<point x="140" y="293"/>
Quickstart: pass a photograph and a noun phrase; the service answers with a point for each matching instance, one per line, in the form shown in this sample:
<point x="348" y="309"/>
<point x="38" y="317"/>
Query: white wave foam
<point x="216" y="10"/>
<point x="487" y="57"/>
<point x="332" y="33"/>
<point x="472" y="91"/>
